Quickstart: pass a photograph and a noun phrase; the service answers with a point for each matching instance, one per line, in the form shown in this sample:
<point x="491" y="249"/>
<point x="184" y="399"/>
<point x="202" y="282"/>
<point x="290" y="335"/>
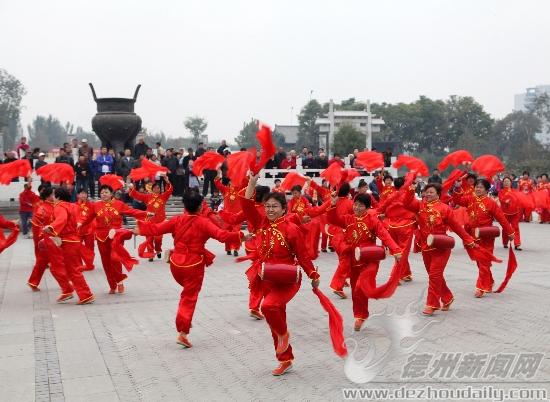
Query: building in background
<point x="290" y="133"/>
<point x="524" y="103"/>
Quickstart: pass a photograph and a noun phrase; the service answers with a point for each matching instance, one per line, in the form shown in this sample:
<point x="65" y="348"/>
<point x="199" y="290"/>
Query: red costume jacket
<point x="84" y="209"/>
<point x="526" y="185"/>
<point x="396" y="215"/>
<point x="230" y="193"/>
<point x="509" y="202"/>
<point x="190" y="233"/>
<point x="27" y="198"/>
<point x="156" y="203"/>
<point x="383" y="190"/>
<point x="481" y="211"/>
<point x="42" y="215"/>
<point x="64" y="224"/>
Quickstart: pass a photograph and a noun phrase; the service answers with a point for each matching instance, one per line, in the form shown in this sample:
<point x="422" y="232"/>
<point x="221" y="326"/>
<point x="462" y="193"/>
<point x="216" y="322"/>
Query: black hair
<point x="297" y="187"/>
<point x="46" y="192"/>
<point x="42" y="186"/>
<point x="387" y="176"/>
<point x="471" y="176"/>
<point x="279" y="197"/>
<point x="363" y="199"/>
<point x="106" y="187"/>
<point x="261" y="192"/>
<point x="62" y="194"/>
<point x="398" y="182"/>
<point x="544" y="174"/>
<point x="362" y="183"/>
<point x="485" y="183"/>
<point x="192" y="201"/>
<point x="344" y="190"/>
<point x="157" y="184"/>
<point x="277" y="181"/>
<point x="82" y="190"/>
<point x="526" y="172"/>
<point x="435" y="186"/>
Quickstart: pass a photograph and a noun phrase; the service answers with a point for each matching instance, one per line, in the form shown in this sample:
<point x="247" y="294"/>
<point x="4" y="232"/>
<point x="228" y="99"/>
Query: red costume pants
<point x="358" y="274"/>
<point x="190" y="278"/>
<point x="403" y="236"/>
<point x="545" y="216"/>
<point x="527" y="214"/>
<point x="57" y="259"/>
<point x="435" y="262"/>
<point x="41" y="259"/>
<point x="485" y="277"/>
<point x="154" y="243"/>
<point x="232" y="245"/>
<point x="88" y="258"/>
<point x="70" y="253"/>
<point x="342" y="272"/>
<point x="513" y="220"/>
<point x="276" y="297"/>
<point x="113" y="270"/>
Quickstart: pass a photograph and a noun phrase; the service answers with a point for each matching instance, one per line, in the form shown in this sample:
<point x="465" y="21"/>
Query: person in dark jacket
<point x="435" y="177"/>
<point x="140" y="148"/>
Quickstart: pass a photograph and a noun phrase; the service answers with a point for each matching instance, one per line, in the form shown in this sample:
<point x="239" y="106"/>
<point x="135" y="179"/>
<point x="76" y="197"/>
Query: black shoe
<point x="228" y="252"/>
<point x="159" y="255"/>
<point x="506" y="246"/>
<point x="518" y="248"/>
<point x="150" y="260"/>
<point x="323" y="250"/>
<point x="331" y="249"/>
<point x="235" y="253"/>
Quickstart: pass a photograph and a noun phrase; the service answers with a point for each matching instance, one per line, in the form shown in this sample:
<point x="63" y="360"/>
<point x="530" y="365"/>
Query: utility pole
<point x="330" y="136"/>
<point x="369" y="127"/>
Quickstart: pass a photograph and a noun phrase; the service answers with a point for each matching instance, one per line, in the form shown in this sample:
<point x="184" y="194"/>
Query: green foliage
<point x="196" y="125"/>
<point x="349" y="104"/>
<point x="47" y="132"/>
<point x="346" y="139"/>
<point x="11" y="95"/>
<point x="308" y="132"/>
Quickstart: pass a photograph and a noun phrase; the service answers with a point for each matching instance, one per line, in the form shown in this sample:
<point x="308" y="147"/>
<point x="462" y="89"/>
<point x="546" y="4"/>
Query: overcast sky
<point x="229" y="61"/>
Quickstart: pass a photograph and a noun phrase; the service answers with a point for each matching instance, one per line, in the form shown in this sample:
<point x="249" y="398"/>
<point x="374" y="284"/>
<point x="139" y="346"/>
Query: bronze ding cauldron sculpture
<point x="115" y="123"/>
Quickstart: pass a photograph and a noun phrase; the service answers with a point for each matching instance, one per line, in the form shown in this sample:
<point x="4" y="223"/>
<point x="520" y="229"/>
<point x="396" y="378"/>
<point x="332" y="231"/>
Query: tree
<point x="515" y="138"/>
<point x="347" y="138"/>
<point x="196" y="125"/>
<point x="349" y="104"/>
<point x="247" y="136"/>
<point x="466" y="118"/>
<point x="541" y="108"/>
<point x="47" y="132"/>
<point x="308" y="131"/>
<point x="11" y="94"/>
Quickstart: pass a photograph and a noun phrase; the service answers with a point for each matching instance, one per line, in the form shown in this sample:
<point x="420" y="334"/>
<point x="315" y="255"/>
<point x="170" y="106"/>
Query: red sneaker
<point x="407" y="278"/>
<point x="340" y="294"/>
<point x="283" y="368"/>
<point x="428" y="311"/>
<point x="256" y="314"/>
<point x="87" y="300"/>
<point x="34" y="288"/>
<point x="120" y="287"/>
<point x="479" y="293"/>
<point x="447" y="306"/>
<point x="358" y="324"/>
<point x="64" y="297"/>
<point x="112" y="291"/>
<point x="183" y="341"/>
<point x="282" y="343"/>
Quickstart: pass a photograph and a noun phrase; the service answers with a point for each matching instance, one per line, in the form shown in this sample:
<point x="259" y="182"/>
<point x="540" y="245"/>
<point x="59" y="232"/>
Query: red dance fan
<point x="112" y="180"/>
<point x="335" y="324"/>
<point x="56" y="173"/>
<point x="488" y="232"/>
<point x="118" y="252"/>
<point x="10" y="170"/>
<point x="280" y="273"/>
<point x="440" y="241"/>
<point x="455" y="159"/>
<point x="11" y="239"/>
<point x="370" y="253"/>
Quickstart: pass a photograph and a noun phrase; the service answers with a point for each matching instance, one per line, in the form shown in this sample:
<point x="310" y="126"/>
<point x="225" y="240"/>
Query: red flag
<point x="512" y="265"/>
<point x="411" y="163"/>
<point x="455" y="158"/>
<point x="348" y="175"/>
<point x="56" y="173"/>
<point x="481" y="255"/>
<point x="488" y="166"/>
<point x="335" y="323"/>
<point x="385" y="290"/>
<point x="208" y="161"/>
<point x="370" y="160"/>
<point x="332" y="174"/>
<point x="11" y="170"/>
<point x="118" y="252"/>
<point x="268" y="149"/>
<point x="8" y="241"/>
<point x="112" y="180"/>
<point x="137" y="174"/>
<point x="153" y="168"/>
<point x="292" y="179"/>
<point x="238" y="165"/>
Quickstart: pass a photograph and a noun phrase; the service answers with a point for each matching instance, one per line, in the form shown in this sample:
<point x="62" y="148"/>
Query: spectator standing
<point x="222" y="147"/>
<point x="200" y="150"/>
<point x="75" y="152"/>
<point x="289" y="162"/>
<point x="322" y="161"/>
<point x="125" y="164"/>
<point x="337" y="159"/>
<point x="83" y="171"/>
<point x="309" y="163"/>
<point x="64" y="158"/>
<point x="86" y="150"/>
<point x="140" y="148"/>
<point x="22" y="148"/>
<point x="185" y="166"/>
<point x="26" y="200"/>
<point x="103" y="164"/>
<point x="435" y="177"/>
<point x="171" y="162"/>
<point x="279" y="157"/>
<point x="41" y="161"/>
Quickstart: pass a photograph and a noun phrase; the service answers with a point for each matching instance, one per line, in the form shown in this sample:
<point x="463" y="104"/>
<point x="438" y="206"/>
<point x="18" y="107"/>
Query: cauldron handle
<point x="93" y="91"/>
<point x="136" y="93"/>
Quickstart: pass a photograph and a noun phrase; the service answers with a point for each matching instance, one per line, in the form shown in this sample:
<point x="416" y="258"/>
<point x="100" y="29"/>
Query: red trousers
<point x="236" y="244"/>
<point x="190" y="279"/>
<point x="485" y="277"/>
<point x="113" y="270"/>
<point x="88" y="242"/>
<point x="545" y="216"/>
<point x="324" y="239"/>
<point x="527" y="214"/>
<point x="312" y="237"/>
<point x="403" y="236"/>
<point x="360" y="273"/>
<point x="153" y="244"/>
<point x="256" y="294"/>
<point x="513" y="220"/>
<point x="41" y="259"/>
<point x="435" y="262"/>
<point x="71" y="261"/>
<point x="276" y="297"/>
<point x="342" y="272"/>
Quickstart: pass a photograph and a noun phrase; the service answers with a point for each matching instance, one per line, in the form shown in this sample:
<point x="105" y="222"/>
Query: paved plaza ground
<point x="122" y="348"/>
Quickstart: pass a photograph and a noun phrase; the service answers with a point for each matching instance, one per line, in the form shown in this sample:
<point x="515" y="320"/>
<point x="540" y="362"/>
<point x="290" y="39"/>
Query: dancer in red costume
<point x="191" y="230"/>
<point x="545" y="186"/>
<point x="526" y="185"/>
<point x="511" y="207"/>
<point x="278" y="241"/>
<point x="361" y="229"/>
<point x="384" y="182"/>
<point x="435" y="217"/>
<point x="156" y="204"/>
<point x="67" y="257"/>
<point x="232" y="205"/>
<point x="108" y="215"/>
<point x="12" y="238"/>
<point x="401" y="224"/>
<point x="482" y="210"/>
<point x="344" y="206"/>
<point x="86" y="232"/>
